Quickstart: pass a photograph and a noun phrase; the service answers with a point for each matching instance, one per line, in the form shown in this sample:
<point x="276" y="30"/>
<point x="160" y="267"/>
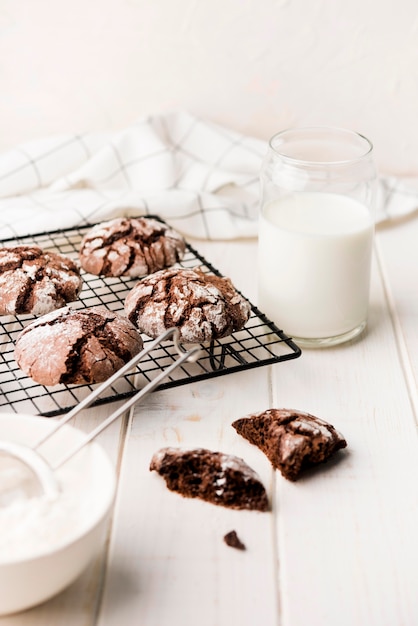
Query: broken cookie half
<point x="291" y="440"/>
<point x="221" y="479"/>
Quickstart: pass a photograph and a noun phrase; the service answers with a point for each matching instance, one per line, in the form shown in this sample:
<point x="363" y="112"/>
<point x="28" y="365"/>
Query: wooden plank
<point x="168" y="562"/>
<point x="348" y="547"/>
<point x="398" y="254"/>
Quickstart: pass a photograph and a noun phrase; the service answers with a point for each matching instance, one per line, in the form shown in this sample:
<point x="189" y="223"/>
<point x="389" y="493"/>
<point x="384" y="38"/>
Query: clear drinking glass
<point x="316" y="228"/>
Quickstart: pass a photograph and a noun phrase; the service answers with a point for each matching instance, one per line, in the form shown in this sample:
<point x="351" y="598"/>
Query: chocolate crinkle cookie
<point x="291" y="440"/>
<point x="35" y="281"/>
<point x="76" y="346"/>
<point x="130" y="247"/>
<point x="215" y="477"/>
<point x="202" y="306"/>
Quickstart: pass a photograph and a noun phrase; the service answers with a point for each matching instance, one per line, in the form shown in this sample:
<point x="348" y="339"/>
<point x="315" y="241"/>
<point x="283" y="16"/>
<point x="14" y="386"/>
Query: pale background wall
<point x="257" y="66"/>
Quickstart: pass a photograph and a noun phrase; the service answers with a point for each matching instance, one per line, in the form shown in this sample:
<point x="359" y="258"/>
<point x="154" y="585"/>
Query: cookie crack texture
<point x="202" y="306"/>
<point x="82" y="347"/>
<point x="292" y="440"/>
<point x="36" y="281"/>
<point x="130" y="247"/>
<point x="215" y="477"/>
<point x="77" y="346"/>
<point x="24" y="299"/>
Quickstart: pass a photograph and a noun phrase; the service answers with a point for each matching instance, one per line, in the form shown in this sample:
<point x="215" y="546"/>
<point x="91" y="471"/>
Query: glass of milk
<point x="316" y="226"/>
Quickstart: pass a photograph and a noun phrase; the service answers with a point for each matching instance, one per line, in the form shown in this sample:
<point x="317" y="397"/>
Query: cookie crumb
<point x="233" y="541"/>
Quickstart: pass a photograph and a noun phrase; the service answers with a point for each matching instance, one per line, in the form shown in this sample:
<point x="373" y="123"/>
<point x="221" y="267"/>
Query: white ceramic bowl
<point x="50" y="563"/>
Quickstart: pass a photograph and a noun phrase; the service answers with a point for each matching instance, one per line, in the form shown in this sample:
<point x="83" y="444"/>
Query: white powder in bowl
<point x="35" y="524"/>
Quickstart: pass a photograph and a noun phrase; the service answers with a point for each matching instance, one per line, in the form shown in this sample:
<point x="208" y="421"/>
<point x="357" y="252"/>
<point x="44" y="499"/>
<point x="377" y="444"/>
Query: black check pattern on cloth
<point x="259" y="343"/>
<point x="200" y="177"/>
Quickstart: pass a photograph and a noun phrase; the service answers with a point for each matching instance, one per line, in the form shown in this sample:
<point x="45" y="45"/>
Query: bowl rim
<point x="86" y="529"/>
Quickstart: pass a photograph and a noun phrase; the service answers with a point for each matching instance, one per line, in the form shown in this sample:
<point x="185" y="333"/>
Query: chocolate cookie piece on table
<point x="202" y="306"/>
<point x="76" y="346"/>
<point x="231" y="539"/>
<point x="130" y="247"/>
<point x="218" y="478"/>
<point x="291" y="440"/>
<point x="36" y="281"/>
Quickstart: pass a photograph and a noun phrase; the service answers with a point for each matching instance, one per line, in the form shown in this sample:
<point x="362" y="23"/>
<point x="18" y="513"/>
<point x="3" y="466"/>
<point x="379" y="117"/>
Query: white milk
<point x="314" y="264"/>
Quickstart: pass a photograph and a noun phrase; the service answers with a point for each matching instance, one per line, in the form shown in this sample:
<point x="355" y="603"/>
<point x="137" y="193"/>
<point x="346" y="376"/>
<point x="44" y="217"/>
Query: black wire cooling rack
<point x="259" y="343"/>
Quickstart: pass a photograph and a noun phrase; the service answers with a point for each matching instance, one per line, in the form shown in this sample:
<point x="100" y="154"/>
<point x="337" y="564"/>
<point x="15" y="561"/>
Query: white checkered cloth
<point x="202" y="178"/>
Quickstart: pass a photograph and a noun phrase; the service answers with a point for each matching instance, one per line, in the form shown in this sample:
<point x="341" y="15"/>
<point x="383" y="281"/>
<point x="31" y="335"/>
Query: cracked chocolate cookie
<point x="130" y="247"/>
<point x="76" y="346"/>
<point x="36" y="281"/>
<point x="291" y="440"/>
<point x="215" y="477"/>
<point x="202" y="306"/>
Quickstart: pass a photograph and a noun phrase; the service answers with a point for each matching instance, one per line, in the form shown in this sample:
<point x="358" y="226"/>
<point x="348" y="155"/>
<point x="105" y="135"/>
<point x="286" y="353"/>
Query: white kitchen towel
<point x="200" y="177"/>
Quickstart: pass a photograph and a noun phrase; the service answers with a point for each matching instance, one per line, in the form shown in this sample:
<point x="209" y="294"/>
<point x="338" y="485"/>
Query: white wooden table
<point x="339" y="548"/>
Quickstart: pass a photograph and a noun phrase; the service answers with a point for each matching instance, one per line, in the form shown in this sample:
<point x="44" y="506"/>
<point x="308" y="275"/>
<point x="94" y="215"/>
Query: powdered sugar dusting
<point x="202" y="306"/>
<point x="238" y="465"/>
<point x="36" y="281"/>
<point x="130" y="247"/>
